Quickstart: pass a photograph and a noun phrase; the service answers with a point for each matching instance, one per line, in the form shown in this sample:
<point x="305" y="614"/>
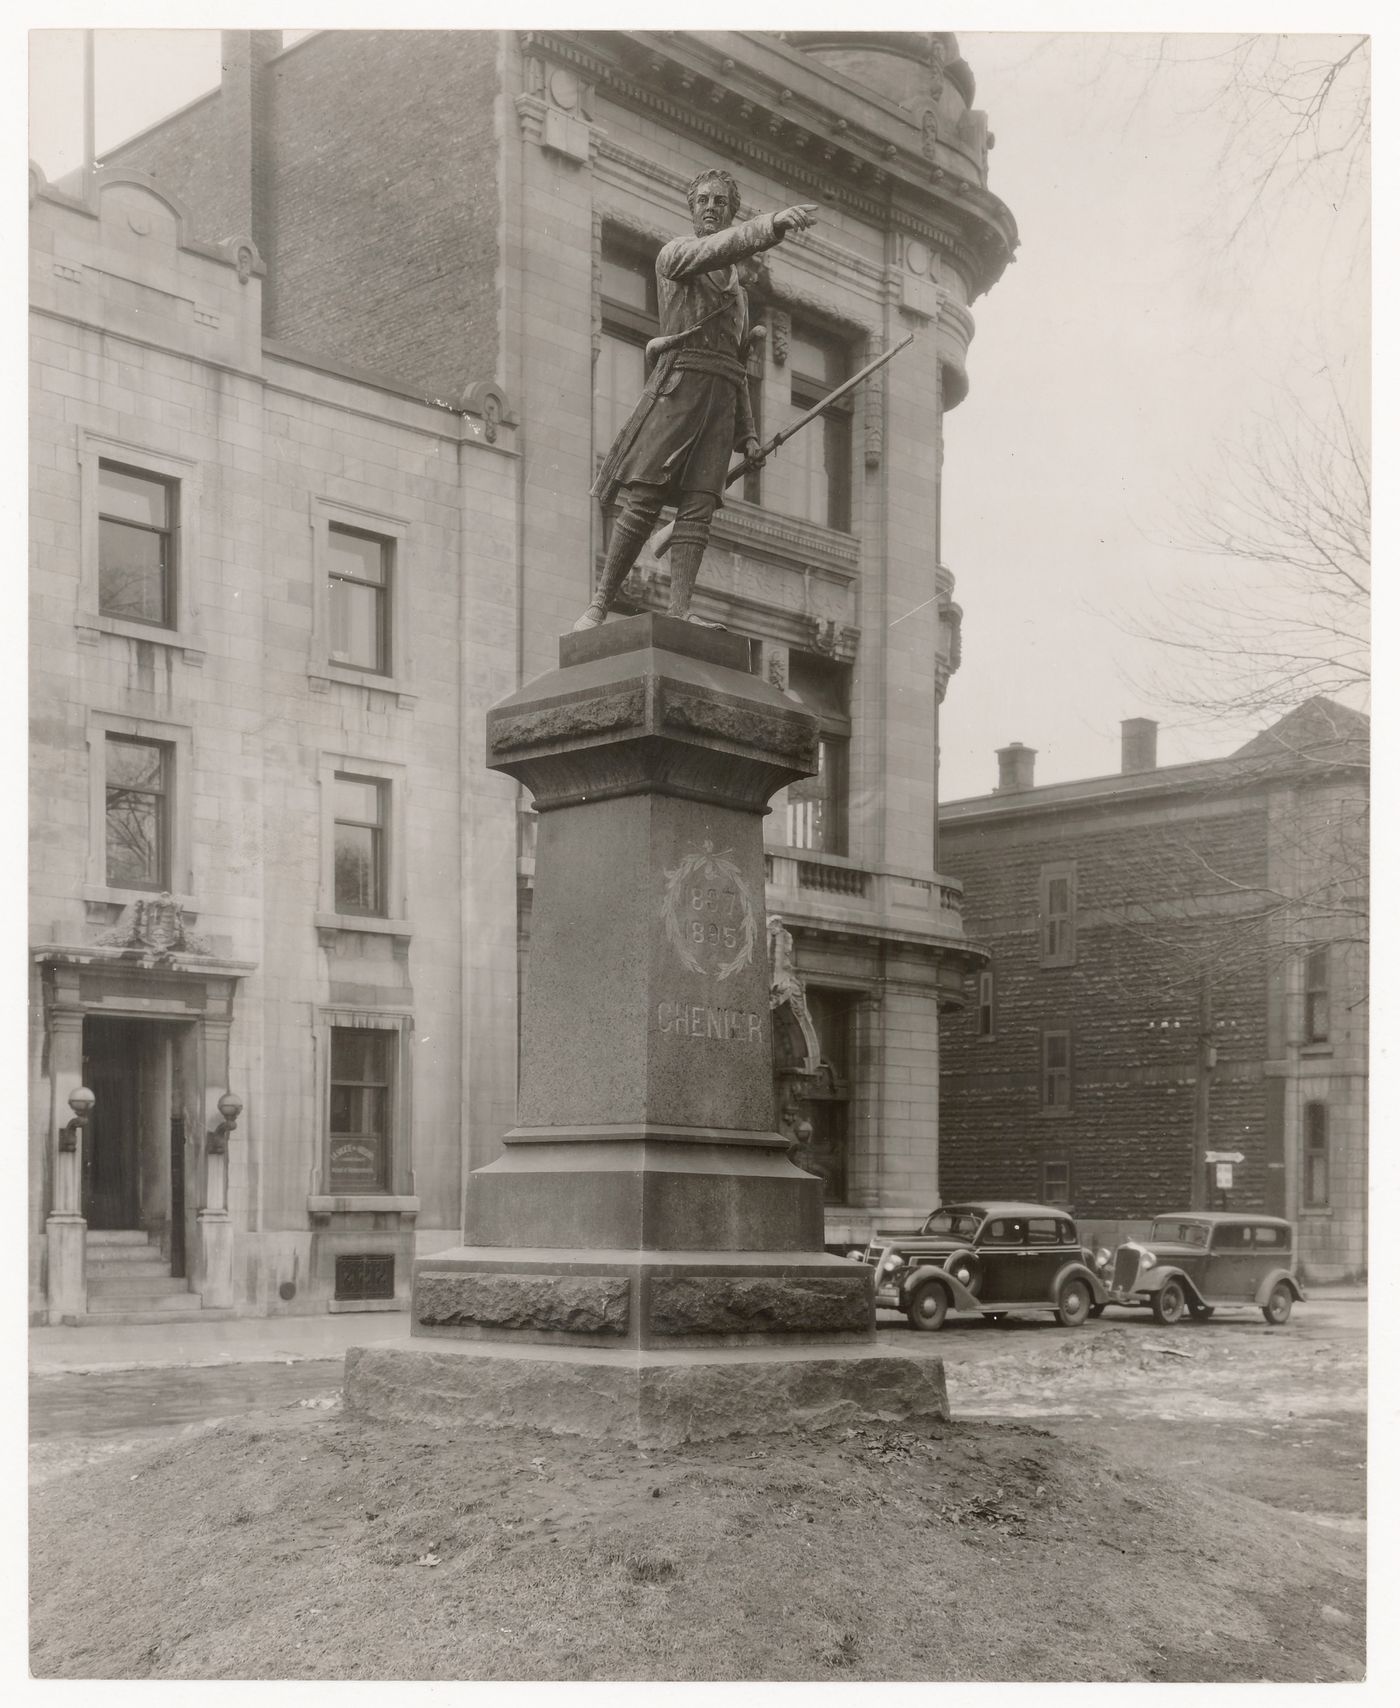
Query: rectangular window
<point x="816" y="806"/>
<point x="361" y="1070"/>
<point x="136" y="515"/>
<point x="1055" y="1070"/>
<point x="820" y="453"/>
<point x="360" y="566"/>
<point x="1316" y="1015"/>
<point x="137" y="813"/>
<point x="359" y="814"/>
<point x="986" y="1008"/>
<point x="1315" y="1182"/>
<point x="1057" y="914"/>
<point x="1054" y="1183"/>
<point x="630" y="319"/>
<point x="1043" y="1230"/>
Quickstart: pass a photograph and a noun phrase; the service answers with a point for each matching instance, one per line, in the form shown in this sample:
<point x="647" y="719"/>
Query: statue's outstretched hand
<point x="797" y="218"/>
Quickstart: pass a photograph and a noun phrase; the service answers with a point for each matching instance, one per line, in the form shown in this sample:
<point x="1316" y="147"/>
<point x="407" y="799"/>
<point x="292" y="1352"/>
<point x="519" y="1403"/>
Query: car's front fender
<point x="1154" y="1280"/>
<point x="958" y="1296"/>
<point x="1272" y="1279"/>
<point x="1079" y="1272"/>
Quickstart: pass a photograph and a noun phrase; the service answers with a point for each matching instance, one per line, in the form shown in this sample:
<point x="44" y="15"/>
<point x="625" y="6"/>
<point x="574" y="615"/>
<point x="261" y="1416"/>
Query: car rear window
<point x="1003" y="1231"/>
<point x="1045" y="1230"/>
<point x="1270" y="1237"/>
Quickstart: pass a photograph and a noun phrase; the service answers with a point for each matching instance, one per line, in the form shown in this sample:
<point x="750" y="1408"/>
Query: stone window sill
<point x="1318" y="1215"/>
<point x="363" y="922"/>
<point x="1324" y="1048"/>
<point x="321" y="675"/>
<point x="90" y="624"/>
<point x="124" y="898"/>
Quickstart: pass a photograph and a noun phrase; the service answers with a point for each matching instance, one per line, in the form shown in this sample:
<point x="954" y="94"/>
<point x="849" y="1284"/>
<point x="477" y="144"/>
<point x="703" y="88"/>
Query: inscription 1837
<point x="709" y="915"/>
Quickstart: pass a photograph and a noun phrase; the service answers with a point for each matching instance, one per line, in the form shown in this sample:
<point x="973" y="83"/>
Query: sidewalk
<point x="244" y="1340"/>
<point x="283" y="1340"/>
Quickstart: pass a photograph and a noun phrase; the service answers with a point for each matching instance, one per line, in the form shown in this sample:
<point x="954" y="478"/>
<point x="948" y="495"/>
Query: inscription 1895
<point x="709" y="915"/>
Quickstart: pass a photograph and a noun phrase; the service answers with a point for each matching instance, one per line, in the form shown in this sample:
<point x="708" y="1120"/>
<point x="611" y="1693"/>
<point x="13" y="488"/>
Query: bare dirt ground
<point x="1101" y="1509"/>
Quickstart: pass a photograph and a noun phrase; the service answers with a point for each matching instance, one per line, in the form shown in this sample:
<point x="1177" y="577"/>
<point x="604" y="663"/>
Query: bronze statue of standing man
<point x="675" y="446"/>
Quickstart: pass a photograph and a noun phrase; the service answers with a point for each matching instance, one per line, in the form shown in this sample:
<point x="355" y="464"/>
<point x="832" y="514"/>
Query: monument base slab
<point x="651" y="1399"/>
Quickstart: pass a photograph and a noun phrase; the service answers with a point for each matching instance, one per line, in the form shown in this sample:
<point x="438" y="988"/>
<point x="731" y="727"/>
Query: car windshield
<point x="1181" y="1233"/>
<point x="963" y="1223"/>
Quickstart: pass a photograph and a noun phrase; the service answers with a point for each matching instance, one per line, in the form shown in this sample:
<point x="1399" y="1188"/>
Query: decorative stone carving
<point x="560" y="1304"/>
<point x="781" y="330"/>
<point x="155" y="926"/>
<point x="929" y="128"/>
<point x="726" y="1304"/>
<point x="741" y="725"/>
<point x="488" y="404"/>
<point x="573" y="718"/>
<point x="874" y="411"/>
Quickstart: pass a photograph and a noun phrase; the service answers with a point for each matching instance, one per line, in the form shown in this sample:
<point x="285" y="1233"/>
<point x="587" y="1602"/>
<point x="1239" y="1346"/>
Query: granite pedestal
<point x="643" y="1235"/>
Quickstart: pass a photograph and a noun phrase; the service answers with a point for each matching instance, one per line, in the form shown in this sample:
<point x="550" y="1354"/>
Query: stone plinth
<point x="655" y="1399"/>
<point x="643" y="1250"/>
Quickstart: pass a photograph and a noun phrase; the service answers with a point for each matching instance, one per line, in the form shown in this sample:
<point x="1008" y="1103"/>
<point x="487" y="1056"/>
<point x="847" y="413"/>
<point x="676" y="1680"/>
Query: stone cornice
<point x="872" y="167"/>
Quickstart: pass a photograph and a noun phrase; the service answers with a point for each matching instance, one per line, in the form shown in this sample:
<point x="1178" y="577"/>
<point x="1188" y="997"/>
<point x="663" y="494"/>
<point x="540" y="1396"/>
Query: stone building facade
<point x="1178" y="965"/>
<point x="475" y="215"/>
<point x="262" y="861"/>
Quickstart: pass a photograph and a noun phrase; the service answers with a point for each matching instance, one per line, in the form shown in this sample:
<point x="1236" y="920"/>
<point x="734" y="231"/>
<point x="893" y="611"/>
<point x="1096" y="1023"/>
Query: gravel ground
<point x="1117" y="1502"/>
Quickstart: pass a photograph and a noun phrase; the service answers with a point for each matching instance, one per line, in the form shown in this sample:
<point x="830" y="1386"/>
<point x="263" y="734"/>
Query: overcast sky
<point x="1124" y="358"/>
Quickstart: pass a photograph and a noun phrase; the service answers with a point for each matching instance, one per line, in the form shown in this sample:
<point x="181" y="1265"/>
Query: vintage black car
<point x="1202" y="1260"/>
<point x="993" y="1257"/>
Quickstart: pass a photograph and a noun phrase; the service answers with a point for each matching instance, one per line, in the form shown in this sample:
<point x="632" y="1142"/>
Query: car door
<point x="1002" y="1248"/>
<point x="1045" y="1252"/>
<point x="1230" y="1270"/>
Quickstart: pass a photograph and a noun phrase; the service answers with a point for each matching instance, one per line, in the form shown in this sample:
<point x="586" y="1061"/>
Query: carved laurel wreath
<point x="716" y="867"/>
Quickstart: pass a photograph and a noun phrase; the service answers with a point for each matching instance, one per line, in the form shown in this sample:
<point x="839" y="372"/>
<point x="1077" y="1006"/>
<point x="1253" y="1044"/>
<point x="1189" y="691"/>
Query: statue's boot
<point x="685" y="566"/>
<point x="630" y="533"/>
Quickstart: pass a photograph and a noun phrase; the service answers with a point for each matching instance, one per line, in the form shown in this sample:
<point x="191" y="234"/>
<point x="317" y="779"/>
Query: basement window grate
<point x="364" y="1276"/>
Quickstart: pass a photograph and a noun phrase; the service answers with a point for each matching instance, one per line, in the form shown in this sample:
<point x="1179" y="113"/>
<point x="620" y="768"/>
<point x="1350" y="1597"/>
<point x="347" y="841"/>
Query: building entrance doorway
<point x="134" y="1148"/>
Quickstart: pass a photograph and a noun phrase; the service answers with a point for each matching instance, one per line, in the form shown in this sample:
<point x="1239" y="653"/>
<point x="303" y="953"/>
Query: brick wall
<point x="380" y="204"/>
<point x="1148" y="921"/>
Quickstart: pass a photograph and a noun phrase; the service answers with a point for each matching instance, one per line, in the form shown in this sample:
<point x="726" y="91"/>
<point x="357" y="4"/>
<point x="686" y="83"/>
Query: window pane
<point x="817" y="358"/>
<point x="357" y="799"/>
<point x="617" y="384"/>
<point x="133" y="840"/>
<point x="132" y="497"/>
<point x="359" y="1109"/>
<point x="628" y="279"/>
<point x="1058" y="898"/>
<point x="359" y="555"/>
<point x="360" y="1056"/>
<point x="135" y="764"/>
<point x="1056" y="1050"/>
<point x="131" y="565"/>
<point x="357" y="627"/>
<point x="356" y="869"/>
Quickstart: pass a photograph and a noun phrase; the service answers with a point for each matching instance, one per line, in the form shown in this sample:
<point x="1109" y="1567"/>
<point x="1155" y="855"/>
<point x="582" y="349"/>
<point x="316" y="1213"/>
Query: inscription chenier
<point x="699" y="1020"/>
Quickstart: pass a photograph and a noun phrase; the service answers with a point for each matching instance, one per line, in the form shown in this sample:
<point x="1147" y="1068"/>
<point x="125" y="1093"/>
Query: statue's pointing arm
<point x="685" y="256"/>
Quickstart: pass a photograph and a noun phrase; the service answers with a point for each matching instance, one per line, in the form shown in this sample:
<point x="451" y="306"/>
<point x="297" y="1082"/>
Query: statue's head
<point x="714" y="201"/>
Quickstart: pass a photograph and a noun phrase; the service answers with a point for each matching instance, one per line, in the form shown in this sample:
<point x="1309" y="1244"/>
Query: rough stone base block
<point x="654" y="1399"/>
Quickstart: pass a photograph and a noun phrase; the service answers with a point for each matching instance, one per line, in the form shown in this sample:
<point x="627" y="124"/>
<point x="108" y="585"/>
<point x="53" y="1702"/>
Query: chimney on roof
<point x="1139" y="745"/>
<point x="244" y="113"/>
<point x="1015" y="768"/>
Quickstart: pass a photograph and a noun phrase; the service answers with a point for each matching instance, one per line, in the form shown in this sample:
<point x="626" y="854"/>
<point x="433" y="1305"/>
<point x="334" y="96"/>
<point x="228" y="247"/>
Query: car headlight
<point x="891" y="1263"/>
<point x="1148" y="1260"/>
<point x="1102" y="1258"/>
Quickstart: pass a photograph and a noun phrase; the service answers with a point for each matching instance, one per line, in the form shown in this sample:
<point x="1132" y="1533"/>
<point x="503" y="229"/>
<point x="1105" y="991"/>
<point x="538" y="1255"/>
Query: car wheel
<point x="1279" y="1305"/>
<point x="1169" y="1302"/>
<point x="1200" y="1313"/>
<point x="966" y="1267"/>
<point x="1073" y="1305"/>
<point x="928" y="1305"/>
